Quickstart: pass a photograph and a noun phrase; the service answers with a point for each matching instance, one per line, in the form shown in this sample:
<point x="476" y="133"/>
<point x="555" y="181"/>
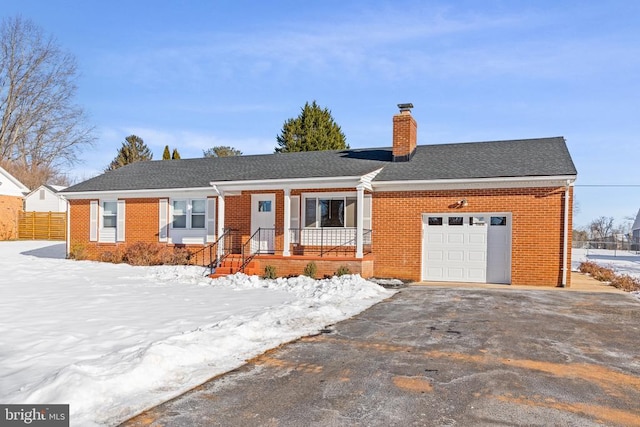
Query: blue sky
<point x="195" y="74"/>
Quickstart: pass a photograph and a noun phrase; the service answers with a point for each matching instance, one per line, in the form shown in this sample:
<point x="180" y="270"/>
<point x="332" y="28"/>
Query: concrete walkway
<point x="439" y="356"/>
<point x="579" y="283"/>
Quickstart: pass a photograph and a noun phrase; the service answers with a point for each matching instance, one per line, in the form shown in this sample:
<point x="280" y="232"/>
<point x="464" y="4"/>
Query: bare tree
<point x="41" y="128"/>
<point x="601" y="228"/>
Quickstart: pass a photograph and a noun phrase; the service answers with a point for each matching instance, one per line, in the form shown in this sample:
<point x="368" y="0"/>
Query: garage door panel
<point x="455" y="273"/>
<point x="465" y="251"/>
<point x="435" y="238"/>
<point x="477" y="274"/>
<point x="455" y="255"/>
<point x="436" y="272"/>
<point x="477" y="239"/>
<point x="455" y="238"/>
<point x="477" y="256"/>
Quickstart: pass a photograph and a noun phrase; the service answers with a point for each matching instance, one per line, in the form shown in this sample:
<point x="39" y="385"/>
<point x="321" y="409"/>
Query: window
<point x="198" y="208"/>
<point x="332" y="212"/>
<point x="264" y="205"/>
<point x="435" y="220"/>
<point x="189" y="214"/>
<point x="499" y="220"/>
<point x="310" y="212"/>
<point x="456" y="220"/>
<point x="109" y="214"/>
<point x="41" y="194"/>
<point x="179" y="214"/>
<point x="476" y="220"/>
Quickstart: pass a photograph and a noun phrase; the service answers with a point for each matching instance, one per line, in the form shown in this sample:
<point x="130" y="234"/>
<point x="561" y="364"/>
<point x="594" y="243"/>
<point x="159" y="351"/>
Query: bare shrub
<point x="116" y="256"/>
<point x="78" y="252"/>
<point x="603" y="274"/>
<point x="143" y="253"/>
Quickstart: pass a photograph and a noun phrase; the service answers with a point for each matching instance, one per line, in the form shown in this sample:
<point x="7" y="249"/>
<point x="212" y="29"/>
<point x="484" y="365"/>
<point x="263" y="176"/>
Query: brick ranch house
<point x="488" y="212"/>
<point x="12" y="193"/>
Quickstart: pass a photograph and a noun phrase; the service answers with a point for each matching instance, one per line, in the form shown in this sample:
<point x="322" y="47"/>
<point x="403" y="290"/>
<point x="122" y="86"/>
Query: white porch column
<point x="287" y="222"/>
<point x="220" y="206"/>
<point x="359" y="221"/>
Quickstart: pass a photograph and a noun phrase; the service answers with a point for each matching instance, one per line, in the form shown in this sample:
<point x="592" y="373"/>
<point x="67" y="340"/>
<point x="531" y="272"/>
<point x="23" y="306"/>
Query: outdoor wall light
<point x="462" y="203"/>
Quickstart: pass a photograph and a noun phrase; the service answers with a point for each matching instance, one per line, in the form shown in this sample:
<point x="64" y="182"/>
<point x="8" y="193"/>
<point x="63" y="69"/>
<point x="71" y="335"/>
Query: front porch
<point x="289" y="253"/>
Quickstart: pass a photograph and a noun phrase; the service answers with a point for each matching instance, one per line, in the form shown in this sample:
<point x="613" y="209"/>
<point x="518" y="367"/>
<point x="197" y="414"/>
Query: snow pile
<point x="113" y="340"/>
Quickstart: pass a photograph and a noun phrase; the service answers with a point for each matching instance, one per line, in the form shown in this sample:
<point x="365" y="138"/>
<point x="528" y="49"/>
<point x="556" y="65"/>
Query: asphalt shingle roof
<point x="515" y="158"/>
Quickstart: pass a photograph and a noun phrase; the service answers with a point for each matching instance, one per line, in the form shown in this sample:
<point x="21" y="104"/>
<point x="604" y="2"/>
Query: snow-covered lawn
<point x="112" y="340"/>
<point x="622" y="262"/>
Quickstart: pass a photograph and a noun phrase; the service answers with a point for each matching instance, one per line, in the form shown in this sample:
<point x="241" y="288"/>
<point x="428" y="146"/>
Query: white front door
<point x="263" y="217"/>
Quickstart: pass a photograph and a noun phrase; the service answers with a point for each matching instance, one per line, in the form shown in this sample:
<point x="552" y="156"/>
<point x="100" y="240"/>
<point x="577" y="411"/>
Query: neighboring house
<point x="12" y="194"/>
<point x="495" y="212"/>
<point x="635" y="233"/>
<point x="46" y="198"/>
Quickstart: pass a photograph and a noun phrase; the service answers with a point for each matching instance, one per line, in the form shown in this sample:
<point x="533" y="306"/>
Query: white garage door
<point x="467" y="248"/>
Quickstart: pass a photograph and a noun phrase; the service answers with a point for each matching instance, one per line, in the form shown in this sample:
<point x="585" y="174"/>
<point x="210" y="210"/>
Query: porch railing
<point x="328" y="241"/>
<point x="209" y="257"/>
<point x="305" y="241"/>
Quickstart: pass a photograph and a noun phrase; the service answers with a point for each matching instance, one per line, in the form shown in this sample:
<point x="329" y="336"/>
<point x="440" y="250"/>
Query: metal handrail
<point x="213" y="249"/>
<point x="247" y="259"/>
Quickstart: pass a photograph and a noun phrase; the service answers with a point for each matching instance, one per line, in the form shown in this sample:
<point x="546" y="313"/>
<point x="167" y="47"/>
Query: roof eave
<point x="497" y="182"/>
<point x="152" y="192"/>
<point x="297" y="183"/>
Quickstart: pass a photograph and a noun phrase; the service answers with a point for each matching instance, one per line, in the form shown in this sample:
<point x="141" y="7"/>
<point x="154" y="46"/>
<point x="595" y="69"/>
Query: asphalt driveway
<point x="440" y="356"/>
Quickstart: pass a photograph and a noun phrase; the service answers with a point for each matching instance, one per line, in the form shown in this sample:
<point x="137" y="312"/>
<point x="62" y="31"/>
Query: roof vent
<point x="405" y="107"/>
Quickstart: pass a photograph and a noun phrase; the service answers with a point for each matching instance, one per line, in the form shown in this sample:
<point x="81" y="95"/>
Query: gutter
<point x="565" y="240"/>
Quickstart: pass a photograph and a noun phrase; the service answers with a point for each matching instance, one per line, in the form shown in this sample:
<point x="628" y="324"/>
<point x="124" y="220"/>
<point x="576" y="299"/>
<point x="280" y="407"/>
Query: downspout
<point x="68" y="236"/>
<point x="565" y="243"/>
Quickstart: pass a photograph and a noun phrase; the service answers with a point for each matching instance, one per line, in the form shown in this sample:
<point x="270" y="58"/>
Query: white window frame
<point x="110" y="234"/>
<point x="326" y="196"/>
<point x="103" y="214"/>
<point x="189" y="214"/>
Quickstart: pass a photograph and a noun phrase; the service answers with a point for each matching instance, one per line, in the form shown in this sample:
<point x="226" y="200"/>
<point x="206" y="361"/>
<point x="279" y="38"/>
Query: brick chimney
<point x="405" y="134"/>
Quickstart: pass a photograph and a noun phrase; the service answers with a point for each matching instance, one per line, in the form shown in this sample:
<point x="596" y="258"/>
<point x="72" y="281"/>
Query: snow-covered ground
<point x="112" y="340"/>
<point x="622" y="262"/>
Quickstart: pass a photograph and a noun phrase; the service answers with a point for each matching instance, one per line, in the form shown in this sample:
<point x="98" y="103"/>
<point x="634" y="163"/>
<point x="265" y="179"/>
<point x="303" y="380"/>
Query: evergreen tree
<point x="313" y="130"/>
<point x="133" y="150"/>
<point x="221" y="151"/>
<point x="175" y="155"/>
<point x="166" y="154"/>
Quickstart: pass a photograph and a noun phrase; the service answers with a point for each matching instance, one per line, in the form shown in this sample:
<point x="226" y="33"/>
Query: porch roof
<point x="516" y="158"/>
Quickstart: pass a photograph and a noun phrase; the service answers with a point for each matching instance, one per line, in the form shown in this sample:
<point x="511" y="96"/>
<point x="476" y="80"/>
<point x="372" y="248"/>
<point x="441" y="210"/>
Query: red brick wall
<point x="537" y="229"/>
<point x="9" y="208"/>
<point x="142" y="222"/>
<point x="405" y="134"/>
<point x="326" y="266"/>
<point x="141" y="225"/>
